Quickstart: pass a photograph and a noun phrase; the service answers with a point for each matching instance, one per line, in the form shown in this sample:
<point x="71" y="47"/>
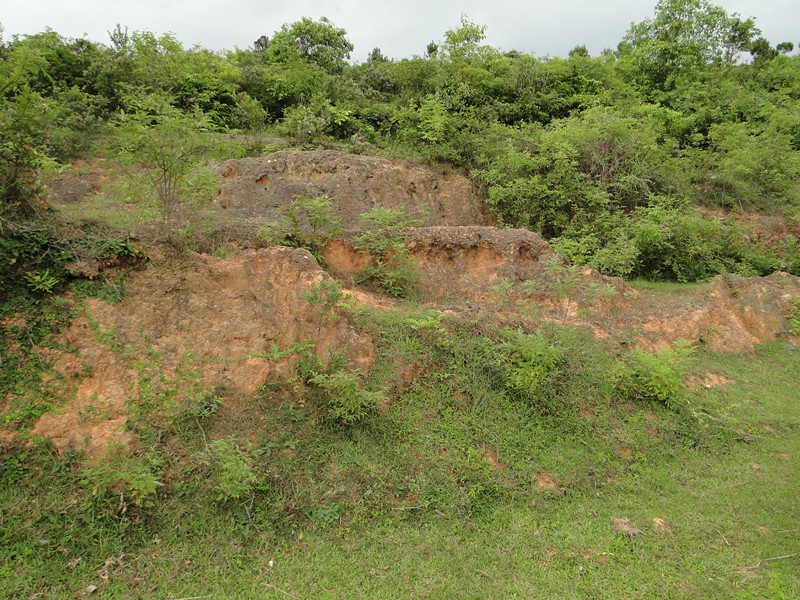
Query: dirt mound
<point x="81" y="179"/>
<point x="731" y="314"/>
<point x="253" y="189"/>
<point x="465" y="262"/>
<point x="233" y="323"/>
<point x="212" y="323"/>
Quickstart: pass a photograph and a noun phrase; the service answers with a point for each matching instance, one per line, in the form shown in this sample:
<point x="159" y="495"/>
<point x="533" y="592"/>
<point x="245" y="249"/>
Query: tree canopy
<point x="319" y="42"/>
<point x="685" y="36"/>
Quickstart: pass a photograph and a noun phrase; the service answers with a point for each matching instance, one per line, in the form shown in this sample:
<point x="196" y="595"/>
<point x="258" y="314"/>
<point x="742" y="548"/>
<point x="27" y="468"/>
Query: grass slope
<point x="510" y="465"/>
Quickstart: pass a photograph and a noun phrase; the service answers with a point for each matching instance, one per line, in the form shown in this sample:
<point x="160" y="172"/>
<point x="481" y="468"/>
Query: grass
<point x="438" y="494"/>
<point x="661" y="287"/>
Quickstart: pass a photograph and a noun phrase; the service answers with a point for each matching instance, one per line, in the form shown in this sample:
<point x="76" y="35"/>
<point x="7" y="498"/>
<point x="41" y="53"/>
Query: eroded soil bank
<point x="238" y="322"/>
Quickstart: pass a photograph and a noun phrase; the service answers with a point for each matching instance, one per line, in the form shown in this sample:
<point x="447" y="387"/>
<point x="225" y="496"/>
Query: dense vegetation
<point x="635" y="162"/>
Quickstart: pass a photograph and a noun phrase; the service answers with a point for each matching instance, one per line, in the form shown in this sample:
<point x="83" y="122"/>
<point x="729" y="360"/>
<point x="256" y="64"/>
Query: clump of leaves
<point x="391" y="265"/>
<point x="343" y="398"/>
<point x="533" y="368"/>
<point x="793" y="318"/>
<point x="656" y="375"/>
<point x="233" y="470"/>
<point x="309" y="223"/>
<point x="123" y="483"/>
<point x="162" y="149"/>
<point x="564" y="283"/>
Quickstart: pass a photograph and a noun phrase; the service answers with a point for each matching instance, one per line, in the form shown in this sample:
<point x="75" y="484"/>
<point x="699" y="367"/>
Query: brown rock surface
<point x="254" y="189"/>
<point x="464" y="263"/>
<point x="228" y="313"/>
<point x="731" y="314"/>
<point x="461" y="262"/>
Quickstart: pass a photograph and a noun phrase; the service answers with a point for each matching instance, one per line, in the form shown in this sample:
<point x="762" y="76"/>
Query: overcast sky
<point x="400" y="29"/>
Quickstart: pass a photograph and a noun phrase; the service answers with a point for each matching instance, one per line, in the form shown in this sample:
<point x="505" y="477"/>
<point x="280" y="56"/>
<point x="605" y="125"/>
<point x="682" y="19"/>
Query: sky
<point x="400" y="29"/>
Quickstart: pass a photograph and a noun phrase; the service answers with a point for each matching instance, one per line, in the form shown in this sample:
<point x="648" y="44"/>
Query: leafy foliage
<point x="391" y="265"/>
<point x="685" y="37"/>
<point x="656" y="376"/>
<point x="309" y="223"/>
<point x="233" y="472"/>
<point x="318" y="42"/>
<point x="163" y="148"/>
<point x="793" y="318"/>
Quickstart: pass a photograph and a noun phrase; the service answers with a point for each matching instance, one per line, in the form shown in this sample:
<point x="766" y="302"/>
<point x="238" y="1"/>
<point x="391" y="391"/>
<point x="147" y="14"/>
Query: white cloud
<point x="400" y="29"/>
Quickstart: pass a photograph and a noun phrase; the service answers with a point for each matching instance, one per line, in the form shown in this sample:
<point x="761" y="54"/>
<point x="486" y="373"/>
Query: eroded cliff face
<point x="236" y="323"/>
<point x="214" y="323"/>
<point x="465" y="262"/>
<point x="252" y="190"/>
<point x="731" y="314"/>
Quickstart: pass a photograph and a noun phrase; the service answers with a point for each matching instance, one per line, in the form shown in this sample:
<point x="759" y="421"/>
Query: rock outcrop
<point x="215" y="323"/>
<point x="254" y="189"/>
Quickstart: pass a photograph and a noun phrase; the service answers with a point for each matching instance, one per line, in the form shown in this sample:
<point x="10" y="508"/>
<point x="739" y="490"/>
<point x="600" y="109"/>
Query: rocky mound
<point x="214" y="323"/>
<point x="254" y="189"/>
<point x="731" y="314"/>
<point x="465" y="262"/>
<point x="233" y="323"/>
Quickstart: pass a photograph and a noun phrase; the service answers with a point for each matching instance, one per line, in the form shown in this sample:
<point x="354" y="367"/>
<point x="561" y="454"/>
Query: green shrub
<point x="123" y="482"/>
<point x="233" y="471"/>
<point x="533" y="368"/>
<point x="312" y="122"/>
<point x="309" y="223"/>
<point x="656" y="376"/>
<point x="162" y="149"/>
<point x="323" y="299"/>
<point x="391" y="265"/>
<point x="671" y="240"/>
<point x="342" y="396"/>
<point x="793" y="318"/>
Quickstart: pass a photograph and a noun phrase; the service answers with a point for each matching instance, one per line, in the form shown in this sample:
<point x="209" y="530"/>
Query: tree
<point x="377" y="56"/>
<point x="319" y="42"/>
<point x="684" y="37"/>
<point x="162" y="146"/>
<point x="579" y="51"/>
<point x="261" y="44"/>
<point x="24" y="118"/>
<point x="463" y="42"/>
<point x="432" y="49"/>
<point x="761" y="51"/>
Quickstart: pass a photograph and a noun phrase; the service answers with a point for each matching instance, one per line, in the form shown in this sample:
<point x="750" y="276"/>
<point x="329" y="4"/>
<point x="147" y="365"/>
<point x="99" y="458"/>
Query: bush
<point x="163" y="148"/>
<point x="122" y="483"/>
<point x="233" y="471"/>
<point x="671" y="240"/>
<point x="391" y="265"/>
<point x="533" y="368"/>
<point x="655" y="376"/>
<point x="309" y="223"/>
<point x="312" y="122"/>
<point x="342" y="396"/>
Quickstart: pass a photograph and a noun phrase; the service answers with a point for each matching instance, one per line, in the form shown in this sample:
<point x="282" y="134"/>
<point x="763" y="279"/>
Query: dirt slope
<point x="253" y="189"/>
<point x="223" y="318"/>
<point x="235" y="315"/>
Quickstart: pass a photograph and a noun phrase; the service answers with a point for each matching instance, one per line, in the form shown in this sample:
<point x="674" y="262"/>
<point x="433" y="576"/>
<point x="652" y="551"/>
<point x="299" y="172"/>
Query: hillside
<point x="468" y="325"/>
